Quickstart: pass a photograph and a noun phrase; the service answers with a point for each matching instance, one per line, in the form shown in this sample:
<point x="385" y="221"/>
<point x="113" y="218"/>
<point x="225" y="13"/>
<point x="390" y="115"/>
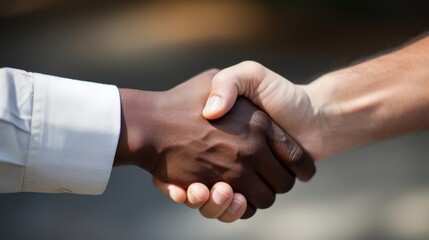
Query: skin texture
<point x="165" y="134"/>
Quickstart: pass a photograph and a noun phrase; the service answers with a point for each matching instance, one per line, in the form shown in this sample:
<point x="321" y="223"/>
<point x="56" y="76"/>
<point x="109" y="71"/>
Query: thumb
<point x="222" y="96"/>
<point x="241" y="79"/>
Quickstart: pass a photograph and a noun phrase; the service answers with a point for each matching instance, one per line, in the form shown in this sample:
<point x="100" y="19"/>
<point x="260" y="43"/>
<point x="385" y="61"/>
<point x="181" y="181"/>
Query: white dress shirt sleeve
<point x="56" y="134"/>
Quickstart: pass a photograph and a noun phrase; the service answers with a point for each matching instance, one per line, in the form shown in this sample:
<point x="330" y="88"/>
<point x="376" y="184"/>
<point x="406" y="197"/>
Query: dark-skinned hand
<point x="165" y="134"/>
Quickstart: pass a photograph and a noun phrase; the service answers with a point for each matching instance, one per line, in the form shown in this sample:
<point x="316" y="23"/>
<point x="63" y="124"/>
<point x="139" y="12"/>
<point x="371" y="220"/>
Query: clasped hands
<point x="234" y="147"/>
<point x="202" y="134"/>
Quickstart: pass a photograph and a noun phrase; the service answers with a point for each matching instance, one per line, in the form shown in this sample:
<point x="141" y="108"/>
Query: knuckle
<point x="296" y="154"/>
<point x="253" y="67"/>
<point x="260" y="120"/>
<point x="221" y="78"/>
<point x="251" y="64"/>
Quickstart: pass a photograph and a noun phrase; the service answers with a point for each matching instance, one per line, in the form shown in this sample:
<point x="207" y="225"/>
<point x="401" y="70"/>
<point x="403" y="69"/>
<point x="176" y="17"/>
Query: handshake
<point x="231" y="144"/>
<point x="247" y="132"/>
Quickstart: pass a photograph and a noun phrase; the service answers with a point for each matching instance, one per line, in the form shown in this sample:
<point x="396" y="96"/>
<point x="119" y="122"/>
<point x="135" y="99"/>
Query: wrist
<point x="345" y="118"/>
<point x="374" y="100"/>
<point x="135" y="140"/>
<point x="354" y="104"/>
<point x="324" y="114"/>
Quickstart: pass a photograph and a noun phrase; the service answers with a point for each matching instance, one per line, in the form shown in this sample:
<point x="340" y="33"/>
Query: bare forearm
<point x="377" y="99"/>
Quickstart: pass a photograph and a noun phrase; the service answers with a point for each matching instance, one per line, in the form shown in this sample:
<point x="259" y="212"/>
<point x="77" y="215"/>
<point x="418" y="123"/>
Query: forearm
<point x="377" y="99"/>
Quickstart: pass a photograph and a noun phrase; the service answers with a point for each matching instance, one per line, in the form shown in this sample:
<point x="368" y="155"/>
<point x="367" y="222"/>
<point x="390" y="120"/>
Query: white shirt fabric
<point x="56" y="134"/>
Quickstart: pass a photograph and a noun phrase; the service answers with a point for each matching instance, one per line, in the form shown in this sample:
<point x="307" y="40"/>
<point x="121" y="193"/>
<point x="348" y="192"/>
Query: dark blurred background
<point x="380" y="191"/>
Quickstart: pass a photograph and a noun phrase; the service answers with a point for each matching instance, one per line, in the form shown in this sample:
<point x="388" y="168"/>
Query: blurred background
<point x="380" y="191"/>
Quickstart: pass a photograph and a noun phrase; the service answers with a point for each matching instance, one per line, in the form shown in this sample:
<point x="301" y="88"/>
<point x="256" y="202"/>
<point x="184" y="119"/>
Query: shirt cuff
<point x="74" y="135"/>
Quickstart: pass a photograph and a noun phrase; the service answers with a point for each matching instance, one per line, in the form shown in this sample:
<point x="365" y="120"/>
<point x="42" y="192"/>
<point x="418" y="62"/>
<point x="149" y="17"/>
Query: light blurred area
<point x="379" y="192"/>
<point x="147" y="27"/>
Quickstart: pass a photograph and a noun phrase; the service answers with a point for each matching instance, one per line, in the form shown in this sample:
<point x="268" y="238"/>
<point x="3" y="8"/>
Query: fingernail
<point x="194" y="197"/>
<point x="219" y="197"/>
<point x="234" y="206"/>
<point x="173" y="193"/>
<point x="213" y="104"/>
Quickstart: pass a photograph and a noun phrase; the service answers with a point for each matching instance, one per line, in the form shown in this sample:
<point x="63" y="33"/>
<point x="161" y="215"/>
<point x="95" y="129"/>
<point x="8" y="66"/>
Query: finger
<point x="241" y="79"/>
<point x="235" y="209"/>
<point x="275" y="175"/>
<point x="290" y="153"/>
<point x="221" y="196"/>
<point x="250" y="211"/>
<point x="176" y="193"/>
<point x="257" y="192"/>
<point x="197" y="194"/>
